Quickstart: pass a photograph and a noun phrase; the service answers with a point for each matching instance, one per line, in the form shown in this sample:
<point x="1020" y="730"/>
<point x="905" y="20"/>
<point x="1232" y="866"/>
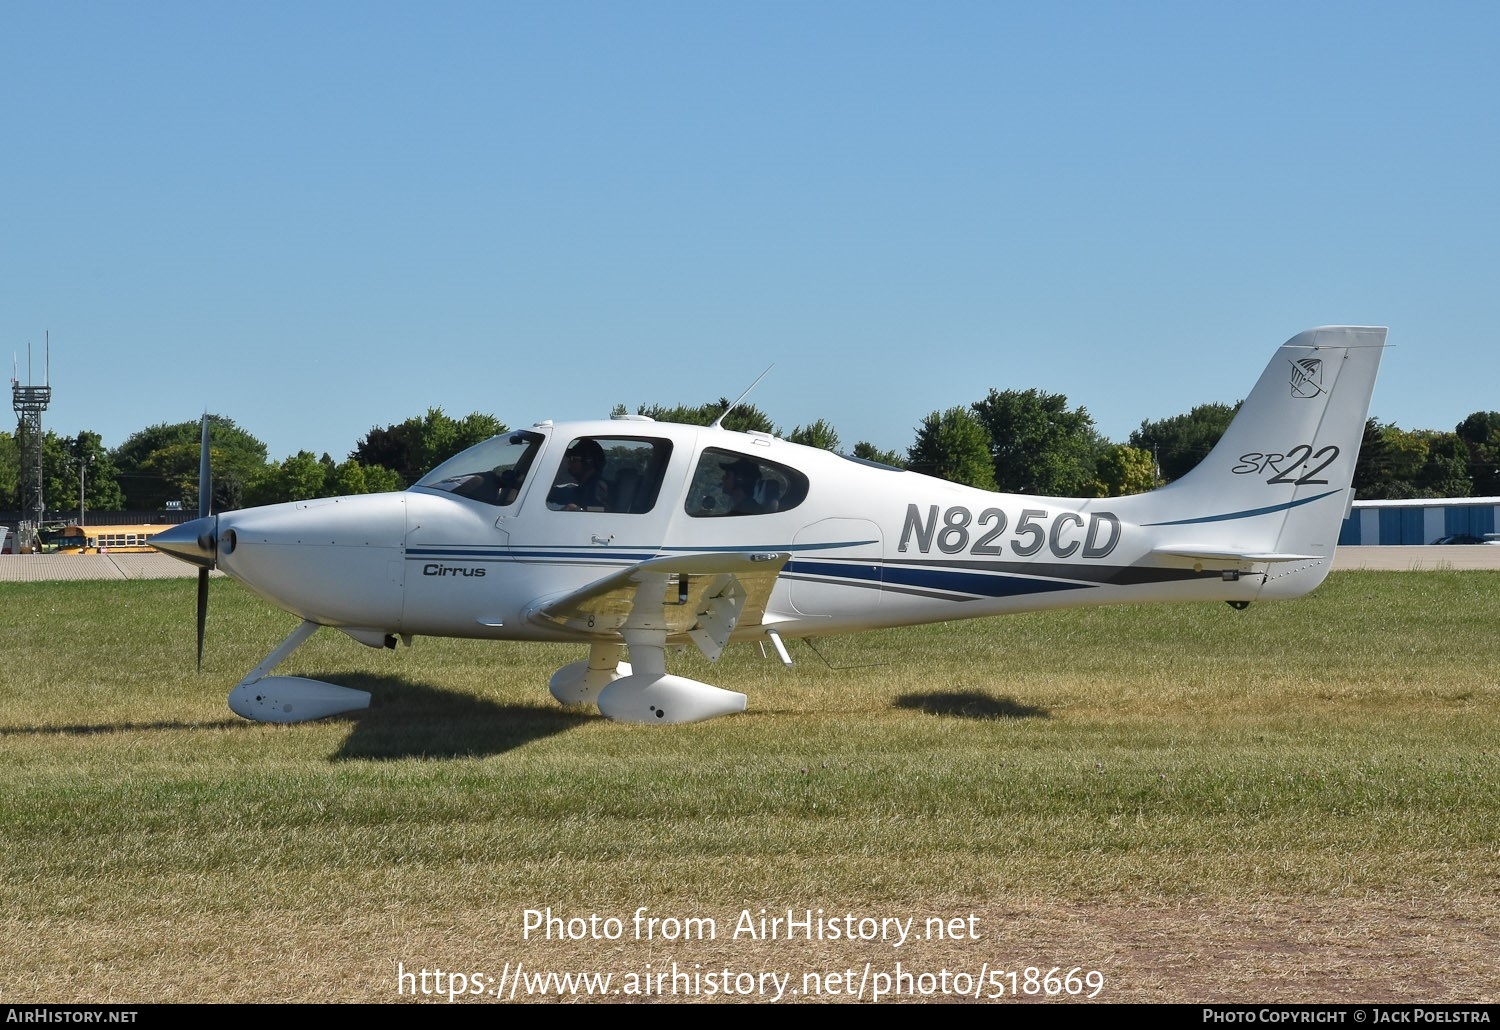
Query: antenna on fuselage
<point x="718" y="422"/>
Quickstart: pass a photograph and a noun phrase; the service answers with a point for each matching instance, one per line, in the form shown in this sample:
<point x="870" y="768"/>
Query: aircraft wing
<point x="704" y="596"/>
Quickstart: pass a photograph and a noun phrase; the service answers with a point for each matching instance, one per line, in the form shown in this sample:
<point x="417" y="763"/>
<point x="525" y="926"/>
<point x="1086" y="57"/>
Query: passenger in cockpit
<point x="580" y="487"/>
<point x="740" y="480"/>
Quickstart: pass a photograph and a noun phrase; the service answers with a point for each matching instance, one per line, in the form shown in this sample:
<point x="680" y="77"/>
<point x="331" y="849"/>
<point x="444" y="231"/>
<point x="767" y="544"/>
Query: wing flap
<point x="704" y="597"/>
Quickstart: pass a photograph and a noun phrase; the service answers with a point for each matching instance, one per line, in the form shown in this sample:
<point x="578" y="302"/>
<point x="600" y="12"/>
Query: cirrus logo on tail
<point x="1307" y="378"/>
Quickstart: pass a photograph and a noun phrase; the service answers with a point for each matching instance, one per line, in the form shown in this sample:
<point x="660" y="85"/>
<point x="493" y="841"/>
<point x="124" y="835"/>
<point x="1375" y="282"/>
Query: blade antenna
<point x="718" y="422"/>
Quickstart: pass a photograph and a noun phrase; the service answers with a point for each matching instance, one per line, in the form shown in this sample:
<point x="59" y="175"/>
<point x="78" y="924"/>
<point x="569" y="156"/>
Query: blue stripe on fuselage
<point x="981" y="584"/>
<point x="1247" y="514"/>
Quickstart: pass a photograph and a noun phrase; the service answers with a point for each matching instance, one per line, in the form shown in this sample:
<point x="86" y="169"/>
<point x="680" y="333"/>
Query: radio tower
<point x="29" y="402"/>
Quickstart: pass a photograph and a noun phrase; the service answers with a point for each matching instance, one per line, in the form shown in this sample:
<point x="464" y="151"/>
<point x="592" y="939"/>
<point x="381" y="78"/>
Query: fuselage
<point x="871" y="546"/>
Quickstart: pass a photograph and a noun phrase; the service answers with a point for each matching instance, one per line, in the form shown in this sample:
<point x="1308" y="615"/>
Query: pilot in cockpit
<point x="580" y="485"/>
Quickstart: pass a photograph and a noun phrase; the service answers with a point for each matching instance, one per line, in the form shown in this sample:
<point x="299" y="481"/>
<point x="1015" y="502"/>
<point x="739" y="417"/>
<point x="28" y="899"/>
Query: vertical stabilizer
<point x="1277" y="484"/>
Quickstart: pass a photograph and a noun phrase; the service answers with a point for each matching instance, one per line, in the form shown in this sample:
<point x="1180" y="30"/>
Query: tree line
<point x="1016" y="441"/>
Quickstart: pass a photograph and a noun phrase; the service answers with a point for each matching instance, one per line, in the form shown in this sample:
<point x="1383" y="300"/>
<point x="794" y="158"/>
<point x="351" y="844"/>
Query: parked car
<point x="1463" y="538"/>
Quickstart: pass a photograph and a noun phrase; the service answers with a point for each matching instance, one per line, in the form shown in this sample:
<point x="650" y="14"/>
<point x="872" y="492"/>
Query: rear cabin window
<point x="731" y="483"/>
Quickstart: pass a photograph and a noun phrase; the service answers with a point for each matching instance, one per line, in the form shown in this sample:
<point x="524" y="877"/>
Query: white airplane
<point x="630" y="534"/>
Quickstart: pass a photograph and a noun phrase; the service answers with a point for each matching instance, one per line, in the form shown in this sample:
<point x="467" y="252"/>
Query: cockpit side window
<point x="616" y="474"/>
<point x="492" y="471"/>
<point x="731" y="483"/>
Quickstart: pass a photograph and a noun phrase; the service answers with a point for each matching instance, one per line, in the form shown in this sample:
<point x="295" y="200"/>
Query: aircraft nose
<point x="195" y="542"/>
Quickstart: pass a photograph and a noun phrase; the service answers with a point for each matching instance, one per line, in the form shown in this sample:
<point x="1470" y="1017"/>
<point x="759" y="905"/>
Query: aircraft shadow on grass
<point x="970" y="704"/>
<point x="415" y="720"/>
<point x="405" y="720"/>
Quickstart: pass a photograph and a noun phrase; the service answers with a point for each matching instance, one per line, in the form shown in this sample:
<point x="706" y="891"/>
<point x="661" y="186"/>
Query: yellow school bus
<point x="100" y="539"/>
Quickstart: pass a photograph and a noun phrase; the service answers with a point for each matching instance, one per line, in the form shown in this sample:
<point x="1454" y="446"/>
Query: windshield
<point x="491" y="472"/>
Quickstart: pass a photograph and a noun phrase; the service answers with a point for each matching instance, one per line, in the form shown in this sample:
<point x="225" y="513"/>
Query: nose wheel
<point x="283" y="699"/>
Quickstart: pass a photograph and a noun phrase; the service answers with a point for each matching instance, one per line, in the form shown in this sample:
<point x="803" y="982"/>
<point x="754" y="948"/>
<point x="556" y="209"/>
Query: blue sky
<point x="316" y="218"/>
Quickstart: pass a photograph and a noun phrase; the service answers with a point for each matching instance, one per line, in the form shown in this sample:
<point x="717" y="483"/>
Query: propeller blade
<point x="205" y="475"/>
<point x="205" y="506"/>
<point x="202" y="612"/>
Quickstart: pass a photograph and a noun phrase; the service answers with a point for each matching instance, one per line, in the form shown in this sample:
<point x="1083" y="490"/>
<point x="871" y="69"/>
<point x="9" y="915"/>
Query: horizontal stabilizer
<point x="1216" y="559"/>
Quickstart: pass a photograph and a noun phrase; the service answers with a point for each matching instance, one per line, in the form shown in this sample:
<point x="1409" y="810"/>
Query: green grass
<point x="1343" y="749"/>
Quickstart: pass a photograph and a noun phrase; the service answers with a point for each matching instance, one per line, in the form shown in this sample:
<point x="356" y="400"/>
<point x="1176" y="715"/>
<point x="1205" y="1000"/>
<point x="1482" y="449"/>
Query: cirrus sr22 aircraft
<point x="630" y="535"/>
